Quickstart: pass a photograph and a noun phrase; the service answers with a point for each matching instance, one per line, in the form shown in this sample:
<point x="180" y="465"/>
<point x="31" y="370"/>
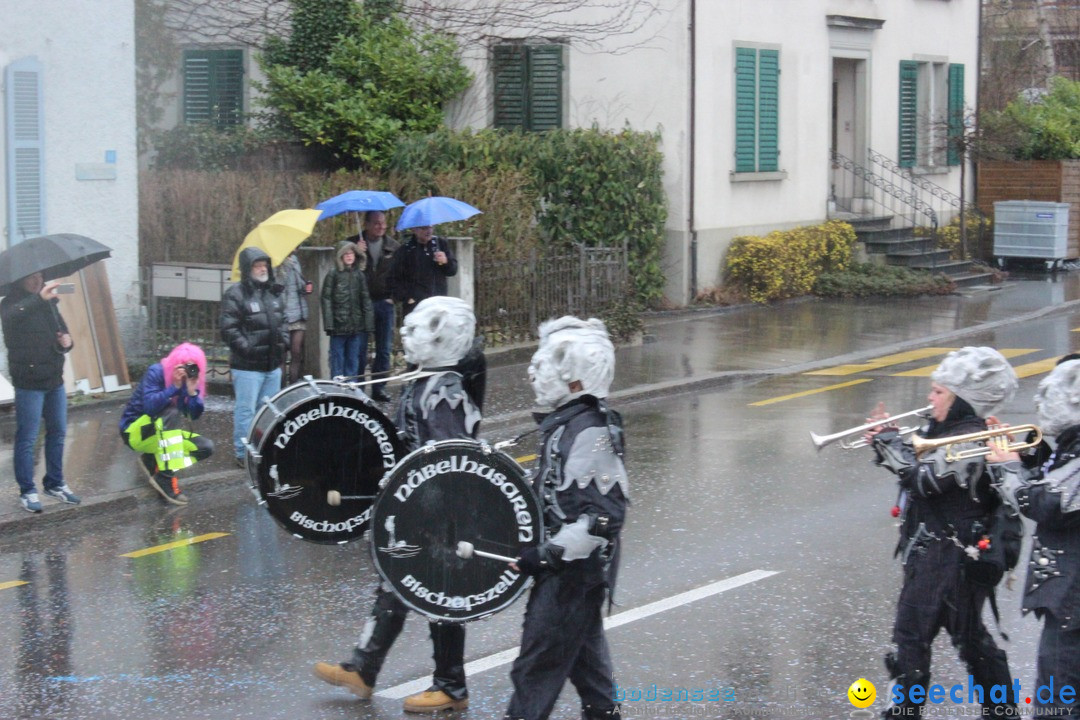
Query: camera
<point x="191" y="370"/>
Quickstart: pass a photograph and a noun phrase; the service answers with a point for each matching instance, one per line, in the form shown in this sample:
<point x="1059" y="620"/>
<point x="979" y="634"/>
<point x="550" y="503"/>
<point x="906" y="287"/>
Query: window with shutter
<point x="528" y="86"/>
<point x="214" y="87"/>
<point x="956" y="113"/>
<point x="509" y="85"/>
<point x="908" y="129"/>
<point x="768" y="110"/>
<point x="25" y="148"/>
<point x="757" y="110"/>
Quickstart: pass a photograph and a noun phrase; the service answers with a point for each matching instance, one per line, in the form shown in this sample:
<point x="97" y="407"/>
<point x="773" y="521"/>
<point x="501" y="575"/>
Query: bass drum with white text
<point x="315" y="455"/>
<point x="441" y="495"/>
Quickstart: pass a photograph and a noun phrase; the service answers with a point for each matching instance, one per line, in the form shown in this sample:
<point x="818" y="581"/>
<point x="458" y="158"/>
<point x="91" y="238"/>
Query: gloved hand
<point x="530" y="562"/>
<point x="540" y="559"/>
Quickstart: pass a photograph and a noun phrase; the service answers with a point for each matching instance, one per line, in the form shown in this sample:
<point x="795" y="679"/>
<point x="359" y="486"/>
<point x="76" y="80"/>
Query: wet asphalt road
<point x="721" y="490"/>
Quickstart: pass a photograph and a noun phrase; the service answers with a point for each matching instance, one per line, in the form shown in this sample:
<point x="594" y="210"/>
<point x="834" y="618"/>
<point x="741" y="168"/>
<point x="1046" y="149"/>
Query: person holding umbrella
<point x="422" y="264"/>
<point x="37" y="339"/>
<point x="378" y="248"/>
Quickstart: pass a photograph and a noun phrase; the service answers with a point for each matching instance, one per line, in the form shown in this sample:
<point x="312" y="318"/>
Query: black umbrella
<point x="54" y="256"/>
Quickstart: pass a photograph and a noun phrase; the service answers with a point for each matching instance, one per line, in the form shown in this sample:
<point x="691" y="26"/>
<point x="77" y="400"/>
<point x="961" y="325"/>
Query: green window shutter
<point x="956" y="113"/>
<point x="509" y="64"/>
<point x="768" y="110"/>
<point x="25" y="131"/>
<point x="545" y="87"/>
<point x="745" y="110"/>
<point x="214" y="86"/>
<point x="909" y="82"/>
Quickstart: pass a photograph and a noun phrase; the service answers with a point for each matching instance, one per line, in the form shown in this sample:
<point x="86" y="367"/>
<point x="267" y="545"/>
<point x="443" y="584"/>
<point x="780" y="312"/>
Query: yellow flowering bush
<point x="785" y="263"/>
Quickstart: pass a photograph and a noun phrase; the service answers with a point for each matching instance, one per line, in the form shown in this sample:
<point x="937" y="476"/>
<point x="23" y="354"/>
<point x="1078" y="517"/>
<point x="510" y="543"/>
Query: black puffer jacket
<point x="346" y="305"/>
<point x="253" y="319"/>
<point x="35" y="358"/>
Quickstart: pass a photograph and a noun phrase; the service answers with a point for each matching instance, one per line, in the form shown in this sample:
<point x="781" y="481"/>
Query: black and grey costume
<point x="1050" y="496"/>
<point x="583" y="488"/>
<point x="431" y="409"/>
<point x="948" y="506"/>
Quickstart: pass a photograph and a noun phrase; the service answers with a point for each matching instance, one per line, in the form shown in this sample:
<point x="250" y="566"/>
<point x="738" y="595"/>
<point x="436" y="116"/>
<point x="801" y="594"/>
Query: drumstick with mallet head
<point x="333" y="497"/>
<point x="465" y="550"/>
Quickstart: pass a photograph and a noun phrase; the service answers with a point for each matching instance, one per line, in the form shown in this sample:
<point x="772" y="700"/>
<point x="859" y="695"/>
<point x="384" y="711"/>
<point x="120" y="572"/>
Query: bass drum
<point x="442" y="494"/>
<point x="315" y="455"/>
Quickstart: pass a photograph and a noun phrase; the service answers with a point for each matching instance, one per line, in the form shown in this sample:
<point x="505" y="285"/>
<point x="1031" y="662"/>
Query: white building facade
<point x="752" y="97"/>
<point x="68" y="128"/>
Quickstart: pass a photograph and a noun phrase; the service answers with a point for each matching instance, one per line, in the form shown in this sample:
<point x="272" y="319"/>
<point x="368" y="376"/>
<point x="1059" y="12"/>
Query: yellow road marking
<point x="925" y="371"/>
<point x="1037" y="368"/>
<point x="12" y="583"/>
<point x="173" y="545"/>
<point x="884" y="361"/>
<point x="804" y="393"/>
<point x="525" y="458"/>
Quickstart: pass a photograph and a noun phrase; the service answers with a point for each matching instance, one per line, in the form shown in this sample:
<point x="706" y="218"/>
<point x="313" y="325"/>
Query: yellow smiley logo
<point x="862" y="693"/>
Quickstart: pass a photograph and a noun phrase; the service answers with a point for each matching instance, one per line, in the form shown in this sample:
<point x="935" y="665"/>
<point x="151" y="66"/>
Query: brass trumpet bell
<point x="997" y="435"/>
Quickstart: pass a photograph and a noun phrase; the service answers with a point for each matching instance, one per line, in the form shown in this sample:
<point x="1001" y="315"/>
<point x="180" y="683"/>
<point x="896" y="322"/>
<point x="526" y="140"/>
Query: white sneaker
<point x="63" y="494"/>
<point x="30" y="502"/>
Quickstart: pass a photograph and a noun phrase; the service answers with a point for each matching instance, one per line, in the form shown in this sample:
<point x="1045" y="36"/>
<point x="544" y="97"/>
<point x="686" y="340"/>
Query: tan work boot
<point x="431" y="701"/>
<point x="348" y="679"/>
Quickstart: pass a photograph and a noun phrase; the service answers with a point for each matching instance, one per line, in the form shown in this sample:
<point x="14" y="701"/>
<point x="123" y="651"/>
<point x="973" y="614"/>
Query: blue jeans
<point x="30" y="406"/>
<point x="384" y="339"/>
<point x="250" y="387"/>
<point x="345" y="354"/>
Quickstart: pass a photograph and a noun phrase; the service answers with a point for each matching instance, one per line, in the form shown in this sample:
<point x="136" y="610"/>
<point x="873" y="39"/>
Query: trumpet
<point x="994" y="435"/>
<point x="821" y="441"/>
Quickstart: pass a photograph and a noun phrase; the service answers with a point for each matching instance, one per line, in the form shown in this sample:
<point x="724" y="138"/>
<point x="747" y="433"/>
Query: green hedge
<point x="596" y="187"/>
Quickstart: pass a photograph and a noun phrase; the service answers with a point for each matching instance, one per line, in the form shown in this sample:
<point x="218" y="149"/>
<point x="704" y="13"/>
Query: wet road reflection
<point x="230" y="627"/>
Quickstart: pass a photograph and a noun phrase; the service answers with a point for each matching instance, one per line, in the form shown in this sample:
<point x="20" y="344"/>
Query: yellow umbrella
<point x="277" y="236"/>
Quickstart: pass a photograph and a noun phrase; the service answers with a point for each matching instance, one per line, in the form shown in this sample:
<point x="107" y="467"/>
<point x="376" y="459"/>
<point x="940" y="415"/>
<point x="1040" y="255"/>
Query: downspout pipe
<point x="692" y="151"/>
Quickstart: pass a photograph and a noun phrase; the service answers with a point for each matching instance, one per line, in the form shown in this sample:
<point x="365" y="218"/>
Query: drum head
<point x="315" y="444"/>
<point x="438" y="496"/>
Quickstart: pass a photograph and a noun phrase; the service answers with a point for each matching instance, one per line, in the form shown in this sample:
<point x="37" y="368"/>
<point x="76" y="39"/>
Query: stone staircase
<point x="901" y="246"/>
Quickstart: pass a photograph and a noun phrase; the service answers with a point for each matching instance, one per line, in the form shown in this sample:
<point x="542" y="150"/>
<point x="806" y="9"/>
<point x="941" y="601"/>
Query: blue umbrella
<point x="358" y="201"/>
<point x="433" y="211"/>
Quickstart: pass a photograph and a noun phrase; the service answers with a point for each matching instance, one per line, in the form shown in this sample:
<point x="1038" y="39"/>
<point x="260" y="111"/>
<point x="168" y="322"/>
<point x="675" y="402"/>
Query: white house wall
<point x="638" y="80"/>
<point x="912" y="28"/>
<point x="646" y="86"/>
<point x="87" y="56"/>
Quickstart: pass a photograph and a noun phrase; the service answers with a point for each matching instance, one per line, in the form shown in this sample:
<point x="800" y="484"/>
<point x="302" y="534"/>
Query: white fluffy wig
<point x="438" y="332"/>
<point x="572" y="351"/>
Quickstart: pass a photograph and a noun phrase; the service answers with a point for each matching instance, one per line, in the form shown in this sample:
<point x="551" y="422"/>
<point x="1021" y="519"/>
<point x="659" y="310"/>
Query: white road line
<point x="507" y="656"/>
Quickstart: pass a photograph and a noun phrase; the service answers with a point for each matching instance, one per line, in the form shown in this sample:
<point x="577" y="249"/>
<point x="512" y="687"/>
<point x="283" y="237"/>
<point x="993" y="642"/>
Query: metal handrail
<point x="889" y="188"/>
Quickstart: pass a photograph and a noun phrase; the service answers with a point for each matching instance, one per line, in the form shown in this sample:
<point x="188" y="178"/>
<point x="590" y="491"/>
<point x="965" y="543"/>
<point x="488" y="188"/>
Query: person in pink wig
<point x="151" y="422"/>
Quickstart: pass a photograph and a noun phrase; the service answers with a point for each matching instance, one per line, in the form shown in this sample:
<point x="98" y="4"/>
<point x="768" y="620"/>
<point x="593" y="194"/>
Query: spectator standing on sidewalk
<point x="253" y="326"/>
<point x="420" y="268"/>
<point x="37" y="339"/>
<point x="296" y="314"/>
<point x="346" y="312"/>
<point x="378" y="249"/>
<point x="151" y="423"/>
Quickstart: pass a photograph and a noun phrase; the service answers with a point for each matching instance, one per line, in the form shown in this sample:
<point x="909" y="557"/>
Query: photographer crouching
<point x="151" y="423"/>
